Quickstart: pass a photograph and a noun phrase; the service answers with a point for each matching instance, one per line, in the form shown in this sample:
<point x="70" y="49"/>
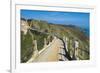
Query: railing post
<point x="35" y="50"/>
<point x="72" y="49"/>
<point x="76" y="49"/>
<point x="66" y="43"/>
<point x="45" y="42"/>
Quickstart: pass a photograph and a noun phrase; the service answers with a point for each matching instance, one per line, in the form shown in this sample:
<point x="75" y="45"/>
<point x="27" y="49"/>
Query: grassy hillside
<point x="26" y="47"/>
<point x="43" y="29"/>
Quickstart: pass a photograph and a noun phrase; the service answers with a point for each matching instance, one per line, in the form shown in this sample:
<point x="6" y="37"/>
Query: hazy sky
<point x="74" y="18"/>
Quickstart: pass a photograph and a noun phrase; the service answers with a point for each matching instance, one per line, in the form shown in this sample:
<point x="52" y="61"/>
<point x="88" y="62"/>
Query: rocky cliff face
<point x="24" y="26"/>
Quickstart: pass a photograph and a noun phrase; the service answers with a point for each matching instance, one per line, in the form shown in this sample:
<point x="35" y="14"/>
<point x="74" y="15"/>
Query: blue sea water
<point x="86" y="31"/>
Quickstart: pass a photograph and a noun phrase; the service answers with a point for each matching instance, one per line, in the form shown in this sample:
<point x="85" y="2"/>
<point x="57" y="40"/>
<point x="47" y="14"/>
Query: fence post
<point x="45" y="42"/>
<point x="66" y="43"/>
<point x="72" y="48"/>
<point x="68" y="46"/>
<point x="76" y="49"/>
<point x="48" y="40"/>
<point x="35" y="51"/>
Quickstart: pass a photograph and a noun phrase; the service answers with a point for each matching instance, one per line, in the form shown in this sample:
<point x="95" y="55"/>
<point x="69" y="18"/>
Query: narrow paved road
<point x="51" y="53"/>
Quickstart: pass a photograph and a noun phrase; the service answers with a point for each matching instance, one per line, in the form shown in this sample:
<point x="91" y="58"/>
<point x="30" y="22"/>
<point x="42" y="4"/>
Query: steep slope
<point x="39" y="30"/>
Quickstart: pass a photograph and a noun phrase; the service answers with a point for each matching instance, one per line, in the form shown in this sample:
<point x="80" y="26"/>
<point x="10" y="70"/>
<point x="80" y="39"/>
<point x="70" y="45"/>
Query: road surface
<point x="52" y="53"/>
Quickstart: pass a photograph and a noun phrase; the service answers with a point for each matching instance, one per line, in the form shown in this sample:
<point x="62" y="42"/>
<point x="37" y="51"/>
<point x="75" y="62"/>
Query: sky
<point x="74" y="18"/>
